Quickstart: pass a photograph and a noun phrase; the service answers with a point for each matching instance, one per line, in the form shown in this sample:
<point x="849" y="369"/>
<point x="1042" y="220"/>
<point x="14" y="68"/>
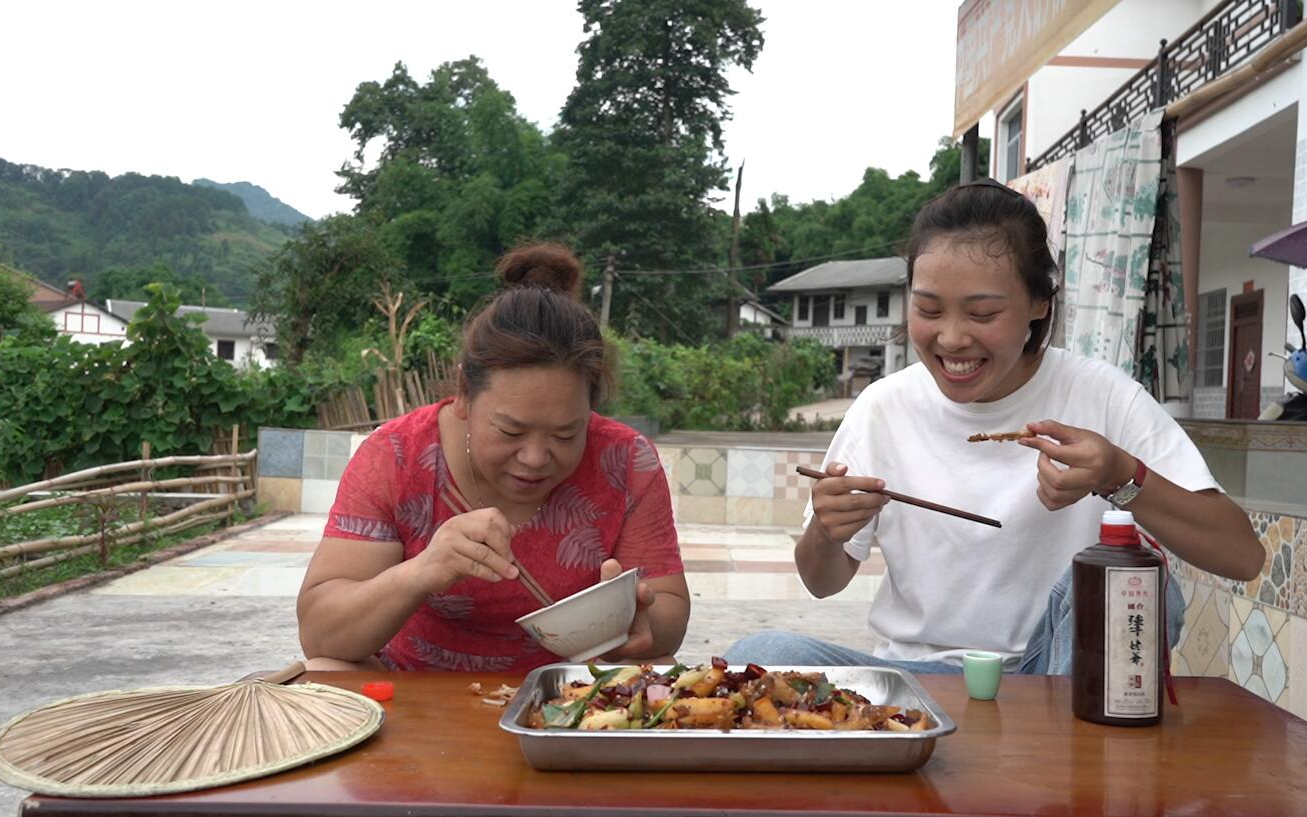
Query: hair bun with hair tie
<point x="547" y="266"/>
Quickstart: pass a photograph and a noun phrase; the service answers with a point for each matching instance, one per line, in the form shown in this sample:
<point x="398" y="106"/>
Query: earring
<point x="1029" y="332"/>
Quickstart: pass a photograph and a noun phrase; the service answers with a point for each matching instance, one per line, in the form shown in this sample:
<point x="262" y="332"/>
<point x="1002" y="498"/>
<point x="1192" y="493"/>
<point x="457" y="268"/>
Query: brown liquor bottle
<point x="1117" y="659"/>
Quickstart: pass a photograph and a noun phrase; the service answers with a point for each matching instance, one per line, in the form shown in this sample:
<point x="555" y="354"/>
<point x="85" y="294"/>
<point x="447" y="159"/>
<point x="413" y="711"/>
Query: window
<point x="1010" y="144"/>
<point x="882" y="304"/>
<point x="803" y="307"/>
<point x="837" y="307"/>
<point x="1211" y="338"/>
<point x="227" y="349"/>
<point x="270" y="351"/>
<point x="860" y="315"/>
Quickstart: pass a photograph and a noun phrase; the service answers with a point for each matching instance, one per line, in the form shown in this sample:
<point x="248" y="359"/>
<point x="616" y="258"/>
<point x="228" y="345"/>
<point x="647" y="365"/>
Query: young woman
<point x="980" y="314"/>
<point x="416" y="566"/>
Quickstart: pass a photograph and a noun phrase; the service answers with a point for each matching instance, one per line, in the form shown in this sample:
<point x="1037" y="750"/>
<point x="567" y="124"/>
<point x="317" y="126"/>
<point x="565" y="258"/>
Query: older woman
<point x="416" y="566"/>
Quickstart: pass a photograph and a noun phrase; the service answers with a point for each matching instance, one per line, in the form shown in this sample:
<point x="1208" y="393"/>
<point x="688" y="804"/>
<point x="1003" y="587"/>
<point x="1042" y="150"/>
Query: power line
<point x="486" y="274"/>
<point x="666" y="319"/>
<point x="773" y="264"/>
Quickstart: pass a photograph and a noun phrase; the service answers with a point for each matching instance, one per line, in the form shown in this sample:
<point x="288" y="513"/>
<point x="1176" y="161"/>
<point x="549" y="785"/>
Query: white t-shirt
<point x="953" y="585"/>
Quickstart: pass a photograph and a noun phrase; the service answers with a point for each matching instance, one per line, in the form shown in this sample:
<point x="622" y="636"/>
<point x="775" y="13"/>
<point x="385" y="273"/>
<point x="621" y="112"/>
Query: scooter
<point x="1292" y="406"/>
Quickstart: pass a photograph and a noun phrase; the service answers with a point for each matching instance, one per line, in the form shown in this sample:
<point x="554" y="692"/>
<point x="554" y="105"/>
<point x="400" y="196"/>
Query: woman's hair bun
<point x="548" y="266"/>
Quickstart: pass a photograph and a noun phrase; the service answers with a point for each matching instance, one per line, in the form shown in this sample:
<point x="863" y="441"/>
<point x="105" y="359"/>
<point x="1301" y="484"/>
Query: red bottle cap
<point x="1118" y="529"/>
<point x="379" y="690"/>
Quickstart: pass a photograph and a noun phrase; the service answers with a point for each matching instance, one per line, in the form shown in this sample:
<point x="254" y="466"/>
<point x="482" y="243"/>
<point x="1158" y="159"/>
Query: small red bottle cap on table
<point x="379" y="690"/>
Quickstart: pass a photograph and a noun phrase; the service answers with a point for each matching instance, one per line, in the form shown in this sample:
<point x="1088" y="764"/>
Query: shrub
<point x="742" y="384"/>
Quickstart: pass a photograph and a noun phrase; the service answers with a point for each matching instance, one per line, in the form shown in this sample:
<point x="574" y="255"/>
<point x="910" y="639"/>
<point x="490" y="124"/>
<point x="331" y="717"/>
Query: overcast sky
<point x="244" y="91"/>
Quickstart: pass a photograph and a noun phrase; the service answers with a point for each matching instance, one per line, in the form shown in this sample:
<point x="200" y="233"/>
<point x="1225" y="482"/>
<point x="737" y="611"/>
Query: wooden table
<point x="441" y="752"/>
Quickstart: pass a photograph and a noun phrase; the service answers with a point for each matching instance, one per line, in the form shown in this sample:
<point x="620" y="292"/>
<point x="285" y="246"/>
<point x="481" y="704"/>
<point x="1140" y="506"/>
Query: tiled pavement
<point x="723" y="564"/>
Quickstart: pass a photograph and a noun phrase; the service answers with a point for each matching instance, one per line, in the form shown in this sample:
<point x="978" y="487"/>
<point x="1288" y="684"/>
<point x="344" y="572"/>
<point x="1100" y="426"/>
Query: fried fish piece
<point x="1002" y="437"/>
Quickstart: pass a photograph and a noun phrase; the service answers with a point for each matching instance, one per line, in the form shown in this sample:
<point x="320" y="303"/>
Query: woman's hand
<point x="473" y="545"/>
<point x="639" y="639"/>
<point x="843" y="505"/>
<point x="1091" y="463"/>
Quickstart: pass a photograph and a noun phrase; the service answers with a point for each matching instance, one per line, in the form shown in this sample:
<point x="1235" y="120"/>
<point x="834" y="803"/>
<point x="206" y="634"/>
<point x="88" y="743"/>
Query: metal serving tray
<point x="740" y="750"/>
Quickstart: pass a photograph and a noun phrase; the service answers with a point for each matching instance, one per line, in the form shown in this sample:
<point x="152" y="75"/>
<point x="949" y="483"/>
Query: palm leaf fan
<point x="181" y="738"/>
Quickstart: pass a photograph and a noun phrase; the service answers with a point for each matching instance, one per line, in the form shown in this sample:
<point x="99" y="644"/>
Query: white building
<point x="758" y="318"/>
<point x="232" y="335"/>
<point x="857" y="309"/>
<point x="70" y="312"/>
<point x="1241" y="155"/>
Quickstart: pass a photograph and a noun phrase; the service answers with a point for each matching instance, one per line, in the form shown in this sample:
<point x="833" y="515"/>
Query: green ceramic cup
<point x="982" y="671"/>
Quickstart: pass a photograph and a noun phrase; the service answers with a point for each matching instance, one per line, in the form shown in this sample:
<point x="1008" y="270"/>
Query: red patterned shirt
<point x="614" y="505"/>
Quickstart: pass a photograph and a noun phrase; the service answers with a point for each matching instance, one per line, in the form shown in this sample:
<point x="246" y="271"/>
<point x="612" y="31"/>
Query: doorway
<point x="1244" y="394"/>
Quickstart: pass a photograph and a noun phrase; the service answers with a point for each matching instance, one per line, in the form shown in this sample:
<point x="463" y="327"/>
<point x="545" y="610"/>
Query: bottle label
<point x="1131" y="631"/>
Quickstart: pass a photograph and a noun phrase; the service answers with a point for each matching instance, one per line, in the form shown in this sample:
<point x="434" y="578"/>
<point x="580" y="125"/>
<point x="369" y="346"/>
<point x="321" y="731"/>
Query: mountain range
<point x="64" y="224"/>
<point x="259" y="202"/>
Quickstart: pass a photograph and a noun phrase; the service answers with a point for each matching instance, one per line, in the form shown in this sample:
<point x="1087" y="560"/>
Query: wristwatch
<point x="1125" y="494"/>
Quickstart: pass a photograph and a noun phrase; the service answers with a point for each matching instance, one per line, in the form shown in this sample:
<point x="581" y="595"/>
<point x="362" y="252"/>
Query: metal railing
<point x="1226" y="37"/>
<point x="857" y="335"/>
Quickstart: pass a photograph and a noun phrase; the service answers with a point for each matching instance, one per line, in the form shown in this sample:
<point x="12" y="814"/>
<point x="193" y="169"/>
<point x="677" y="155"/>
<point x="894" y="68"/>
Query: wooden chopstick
<point x="813" y="473"/>
<point x="456" y="504"/>
<point x="533" y="587"/>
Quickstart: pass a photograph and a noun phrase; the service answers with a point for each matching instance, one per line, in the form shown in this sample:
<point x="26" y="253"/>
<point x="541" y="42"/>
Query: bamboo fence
<point x="218" y="483"/>
<point x="393" y="394"/>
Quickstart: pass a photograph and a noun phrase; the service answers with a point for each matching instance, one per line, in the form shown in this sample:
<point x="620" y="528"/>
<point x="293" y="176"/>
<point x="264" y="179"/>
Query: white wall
<point x="86" y="323"/>
<point x="1130" y="30"/>
<point x="1225" y="264"/>
<point x="861" y="296"/>
<point x="249" y="352"/>
<point x="1229" y="127"/>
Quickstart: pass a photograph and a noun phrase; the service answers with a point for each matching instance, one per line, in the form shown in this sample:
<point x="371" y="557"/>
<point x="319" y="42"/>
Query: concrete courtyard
<point x="221" y="612"/>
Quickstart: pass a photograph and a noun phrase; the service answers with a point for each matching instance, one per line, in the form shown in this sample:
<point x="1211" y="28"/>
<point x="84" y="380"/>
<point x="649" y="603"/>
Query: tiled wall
<point x="1209" y="403"/>
<point x="1255" y="632"/>
<point x="738" y="486"/>
<point x="299" y="470"/>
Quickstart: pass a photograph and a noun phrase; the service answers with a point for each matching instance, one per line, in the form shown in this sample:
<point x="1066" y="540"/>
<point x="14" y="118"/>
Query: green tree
<point x="873" y="221"/>
<point x="460" y="178"/>
<point x="320" y="285"/>
<point x="130" y="283"/>
<point x="16" y="310"/>
<point x="642" y="131"/>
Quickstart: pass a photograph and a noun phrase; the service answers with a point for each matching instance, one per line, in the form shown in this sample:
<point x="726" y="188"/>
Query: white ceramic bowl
<point x="589" y="623"/>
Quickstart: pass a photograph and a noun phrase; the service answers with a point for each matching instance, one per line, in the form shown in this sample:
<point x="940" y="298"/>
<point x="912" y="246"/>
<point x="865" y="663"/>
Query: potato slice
<point x="764" y="711"/>
<point x="618" y="718"/>
<point x="808" y="720"/>
<point x="709" y="683"/>
<point x="703" y="713"/>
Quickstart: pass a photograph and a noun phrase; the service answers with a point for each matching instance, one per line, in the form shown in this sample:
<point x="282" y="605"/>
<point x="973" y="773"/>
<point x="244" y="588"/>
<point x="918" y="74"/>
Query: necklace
<point x="476" y="484"/>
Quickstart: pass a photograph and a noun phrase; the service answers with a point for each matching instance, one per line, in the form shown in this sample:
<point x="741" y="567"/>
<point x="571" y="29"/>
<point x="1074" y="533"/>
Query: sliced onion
<point x="657" y="693"/>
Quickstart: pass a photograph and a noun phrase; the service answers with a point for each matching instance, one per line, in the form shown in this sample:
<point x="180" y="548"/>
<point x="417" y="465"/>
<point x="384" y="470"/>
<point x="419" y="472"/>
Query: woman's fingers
<point x="843" y="503"/>
<point x="488" y="525"/>
<point x="473" y="545"/>
<point x="610" y="569"/>
<point x="840" y="486"/>
<point x="485" y="560"/>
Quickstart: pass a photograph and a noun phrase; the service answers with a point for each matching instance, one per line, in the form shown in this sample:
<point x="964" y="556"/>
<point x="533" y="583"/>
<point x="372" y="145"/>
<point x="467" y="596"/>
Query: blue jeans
<point x="1048" y="652"/>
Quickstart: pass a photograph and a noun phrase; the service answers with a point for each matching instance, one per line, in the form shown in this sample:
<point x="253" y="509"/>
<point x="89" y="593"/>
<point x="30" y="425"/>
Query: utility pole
<point x="607" y="303"/>
<point x="732" y="311"/>
<point x="970" y="159"/>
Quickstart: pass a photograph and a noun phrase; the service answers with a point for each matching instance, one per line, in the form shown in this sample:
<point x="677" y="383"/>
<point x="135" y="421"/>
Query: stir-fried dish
<point x="713" y="697"/>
